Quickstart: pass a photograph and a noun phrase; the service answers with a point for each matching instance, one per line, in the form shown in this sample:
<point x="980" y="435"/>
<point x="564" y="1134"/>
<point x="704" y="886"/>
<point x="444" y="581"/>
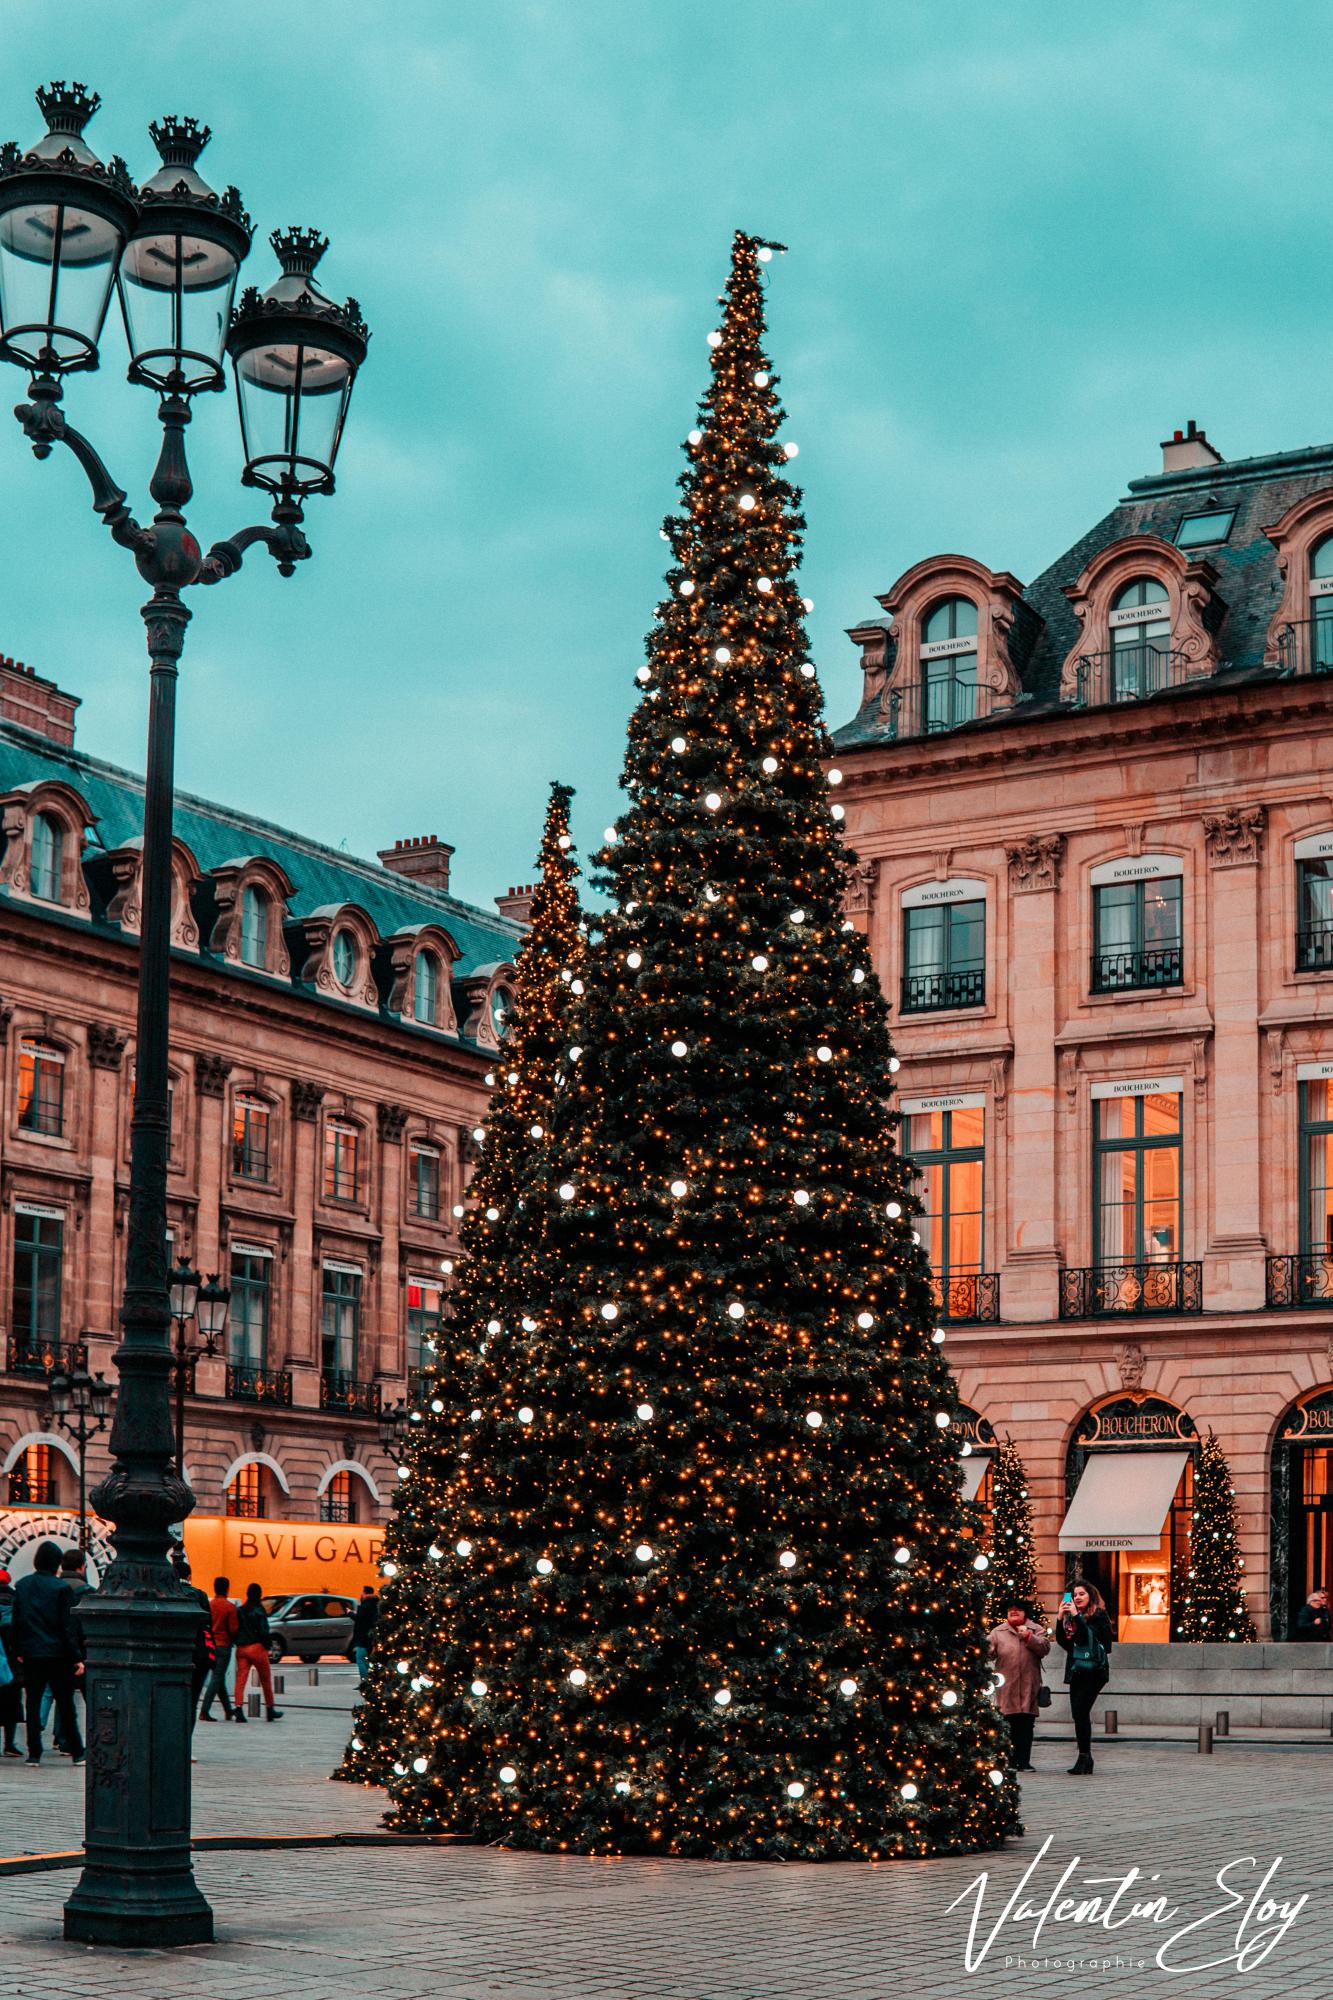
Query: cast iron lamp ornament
<point x="393" y="1429"/>
<point x="70" y="229"/>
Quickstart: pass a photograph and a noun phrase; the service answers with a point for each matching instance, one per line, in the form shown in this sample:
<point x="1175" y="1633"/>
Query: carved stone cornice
<point x="306" y="1100"/>
<point x="210" y="1073"/>
<point x="859" y="894"/>
<point x="390" y="1120"/>
<point x="1035" y="862"/>
<point x="1235" y="836"/>
<point x="106" y="1045"/>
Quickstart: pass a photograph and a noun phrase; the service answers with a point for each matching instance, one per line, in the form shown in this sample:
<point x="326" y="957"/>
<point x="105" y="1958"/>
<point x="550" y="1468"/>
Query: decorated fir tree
<point x="493" y="1279"/>
<point x="1209" y="1593"/>
<point x="709" y="1587"/>
<point x="1013" y="1570"/>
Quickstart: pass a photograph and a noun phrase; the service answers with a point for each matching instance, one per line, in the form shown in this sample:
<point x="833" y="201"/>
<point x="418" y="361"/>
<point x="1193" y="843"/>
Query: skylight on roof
<point x="1199" y="531"/>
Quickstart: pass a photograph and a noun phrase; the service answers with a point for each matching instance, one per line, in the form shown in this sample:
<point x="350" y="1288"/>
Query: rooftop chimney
<point x="518" y="903"/>
<point x="424" y="858"/>
<point x="1188" y="448"/>
<point x="36" y="704"/>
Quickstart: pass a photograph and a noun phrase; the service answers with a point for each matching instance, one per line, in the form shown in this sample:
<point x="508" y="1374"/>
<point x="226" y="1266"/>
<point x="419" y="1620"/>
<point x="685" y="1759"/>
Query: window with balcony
<point x="1137" y="1265"/>
<point x="39" y="1249"/>
<point x="425" y="1299"/>
<point x="1136" y="934"/>
<point x="342" y="1161"/>
<point x="32" y="1478"/>
<point x="340" y="1322"/>
<point x="41" y="1094"/>
<point x="949" y="665"/>
<point x="254" y="928"/>
<point x="423" y="1165"/>
<point x="250" y="1127"/>
<point x="1314" y="915"/>
<point x="338" y="1500"/>
<point x="944" y="957"/>
<point x="248" y="1319"/>
<point x="47" y="861"/>
<point x="1140" y="640"/>
<point x="947" y="1149"/>
<point x="247" y="1496"/>
<point x="426" y="988"/>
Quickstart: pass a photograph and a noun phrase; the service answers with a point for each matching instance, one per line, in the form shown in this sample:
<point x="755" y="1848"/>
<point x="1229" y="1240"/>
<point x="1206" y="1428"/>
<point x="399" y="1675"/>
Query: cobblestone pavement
<point x="479" y="1924"/>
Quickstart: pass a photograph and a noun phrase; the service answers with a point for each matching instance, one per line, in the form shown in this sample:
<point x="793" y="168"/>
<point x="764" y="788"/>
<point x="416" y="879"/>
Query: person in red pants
<point x="252" y="1640"/>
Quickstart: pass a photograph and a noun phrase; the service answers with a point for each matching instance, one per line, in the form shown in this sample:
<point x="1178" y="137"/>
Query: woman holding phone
<point x="1083" y="1633"/>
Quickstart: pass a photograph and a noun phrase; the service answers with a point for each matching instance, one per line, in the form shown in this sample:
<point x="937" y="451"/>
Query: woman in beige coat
<point x="1018" y="1648"/>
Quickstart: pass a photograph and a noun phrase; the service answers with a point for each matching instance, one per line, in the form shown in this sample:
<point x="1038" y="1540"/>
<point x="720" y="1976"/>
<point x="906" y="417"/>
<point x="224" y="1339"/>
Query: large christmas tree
<point x="1209" y="1591"/>
<point x="708" y="1586"/>
<point x="494" y="1277"/>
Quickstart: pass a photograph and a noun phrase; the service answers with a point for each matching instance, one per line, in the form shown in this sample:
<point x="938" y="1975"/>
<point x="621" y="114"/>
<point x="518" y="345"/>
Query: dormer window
<point x="1204" y="531"/>
<point x="1321" y="607"/>
<point x="48" y="858"/>
<point x="254" y="928"/>
<point x="344" y="958"/>
<point x="502" y="1009"/>
<point x="426" y="988"/>
<point x="1140" y="639"/>
<point x="949" y="665"/>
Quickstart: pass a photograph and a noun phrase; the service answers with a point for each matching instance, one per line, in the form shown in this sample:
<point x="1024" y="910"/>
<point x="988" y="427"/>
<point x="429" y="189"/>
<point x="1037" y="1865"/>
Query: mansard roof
<point x="1248" y="586"/>
<point x="216" y="835"/>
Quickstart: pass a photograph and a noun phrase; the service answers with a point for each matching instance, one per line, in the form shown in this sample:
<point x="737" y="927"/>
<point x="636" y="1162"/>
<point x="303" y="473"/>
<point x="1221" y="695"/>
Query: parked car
<point x="309" y="1626"/>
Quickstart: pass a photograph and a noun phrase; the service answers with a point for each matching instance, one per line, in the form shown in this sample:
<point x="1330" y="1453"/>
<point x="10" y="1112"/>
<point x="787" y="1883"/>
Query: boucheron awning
<point x="1122" y="1500"/>
<point x="974" y="1471"/>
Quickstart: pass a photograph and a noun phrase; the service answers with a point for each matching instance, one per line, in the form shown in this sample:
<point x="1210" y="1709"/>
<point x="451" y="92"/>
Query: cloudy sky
<point x="1025" y="242"/>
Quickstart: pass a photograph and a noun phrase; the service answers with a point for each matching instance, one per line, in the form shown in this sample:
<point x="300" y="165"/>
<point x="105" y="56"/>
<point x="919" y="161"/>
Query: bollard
<point x="253" y="1705"/>
<point x="312" y="1676"/>
<point x="1111" y="1722"/>
<point x="279" y="1683"/>
<point x="1222" y="1727"/>
<point x="1205" y="1739"/>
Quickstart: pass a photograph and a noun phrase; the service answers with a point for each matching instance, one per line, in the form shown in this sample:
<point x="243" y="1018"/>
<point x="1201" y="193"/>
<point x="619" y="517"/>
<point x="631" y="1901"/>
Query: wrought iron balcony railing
<point x="1314" y="947"/>
<point x="338" y="1391"/>
<point x="929" y="992"/>
<point x="28" y="1354"/>
<point x="1300" y="1281"/>
<point x="1130" y="673"/>
<point x="933" y="708"/>
<point x="1306" y="647"/>
<point x="246" y="1384"/>
<point x="1112" y="1289"/>
<point x="1132" y="971"/>
<point x="970" y="1295"/>
<point x="27" y="1492"/>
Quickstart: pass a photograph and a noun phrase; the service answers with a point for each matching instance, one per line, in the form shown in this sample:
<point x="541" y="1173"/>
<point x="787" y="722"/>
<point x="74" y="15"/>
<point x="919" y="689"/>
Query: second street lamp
<point x="70" y="227"/>
<point x="79" y="1404"/>
<point x="190" y="1300"/>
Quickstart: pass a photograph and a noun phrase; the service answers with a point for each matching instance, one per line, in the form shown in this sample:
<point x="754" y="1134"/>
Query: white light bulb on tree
<point x="478" y="1687"/>
<point x="566" y="1190"/>
<point x="679" y="1048"/>
<point x="770" y="765"/>
<point x="948" y="1699"/>
<point x="908" y="1791"/>
<point x="578" y="1677"/>
<point x="610" y="1310"/>
<point x="808" y="670"/>
<point x="464" y="1547"/>
<point x="824" y="1052"/>
<point x="643" y="1553"/>
<point x="493" y="1326"/>
<point x="847" y="1687"/>
<point x="761" y="378"/>
<point x="746" y="503"/>
<point x="508" y="1775"/>
<point x="764" y="583"/>
<point x="712" y="800"/>
<point x="815" y="1419"/>
<point x="981" y="1562"/>
<point x="865" y="1321"/>
<point x="525" y="1414"/>
<point x="634" y="959"/>
<point x="696" y="437"/>
<point x="687" y="586"/>
<point x="735" y="1310"/>
<point x="643" y="676"/>
<point x="715" y="339"/>
<point x="787" y="1560"/>
<point x="722" y="1696"/>
<point x="801" y="1198"/>
<point x="419" y="1765"/>
<point x="902" y="1554"/>
<point x="644" y="1412"/>
<point x="759" y="962"/>
<point x="893" y="1209"/>
<point x="389" y="1569"/>
<point x="722" y="654"/>
<point x="679" y="745"/>
<point x="791" y="449"/>
<point x="796" y="1790"/>
<point x="679" y="1189"/>
<point x="545" y="1567"/>
<point x="858" y="976"/>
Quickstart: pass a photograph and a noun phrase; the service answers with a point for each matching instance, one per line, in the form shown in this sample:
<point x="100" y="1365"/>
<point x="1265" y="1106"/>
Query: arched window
<point x="949" y="665"/>
<point x="338" y="1500"/>
<point x="1321" y="607"/>
<point x="32" y="1478"/>
<point x="48" y="856"/>
<point x="344" y="958"/>
<point x="247" y="1496"/>
<point x="502" y="1008"/>
<point x="254" y="928"/>
<point x="1140" y="639"/>
<point x="426" y="988"/>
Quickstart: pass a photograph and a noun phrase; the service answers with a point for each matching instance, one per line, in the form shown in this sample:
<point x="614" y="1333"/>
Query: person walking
<point x="11" y="1684"/>
<point x="222" y="1614"/>
<point x="11" y="1687"/>
<point x="252" y="1640"/>
<point x="363" y="1630"/>
<point x="1313" y="1620"/>
<point x="74" y="1575"/>
<point x="1083" y="1633"/>
<point x="1018" y="1648"/>
<point x="201" y="1660"/>
<point x="48" y="1648"/>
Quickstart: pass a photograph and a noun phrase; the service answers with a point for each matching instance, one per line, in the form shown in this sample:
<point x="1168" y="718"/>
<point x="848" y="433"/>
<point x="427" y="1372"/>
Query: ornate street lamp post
<point x="71" y="229"/>
<point x="393" y="1429"/>
<point x="79" y="1404"/>
<point x="207" y="1303"/>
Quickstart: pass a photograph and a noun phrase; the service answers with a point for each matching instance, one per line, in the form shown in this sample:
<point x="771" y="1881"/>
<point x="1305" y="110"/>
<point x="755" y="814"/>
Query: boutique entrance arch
<point x="1129" y="1485"/>
<point x="1301" y="1490"/>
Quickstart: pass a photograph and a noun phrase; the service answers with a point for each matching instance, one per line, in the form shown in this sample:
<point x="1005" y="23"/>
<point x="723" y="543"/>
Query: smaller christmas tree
<point x="495" y="1279"/>
<point x="1013" y="1566"/>
<point x="1209" y="1596"/>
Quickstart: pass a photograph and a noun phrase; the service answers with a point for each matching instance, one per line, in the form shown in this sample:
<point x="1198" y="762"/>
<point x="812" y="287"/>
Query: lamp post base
<point x="137" y="1887"/>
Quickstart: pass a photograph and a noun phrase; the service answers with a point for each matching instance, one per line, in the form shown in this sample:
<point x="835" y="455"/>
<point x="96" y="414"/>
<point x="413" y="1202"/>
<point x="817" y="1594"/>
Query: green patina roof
<point x="216" y="835"/>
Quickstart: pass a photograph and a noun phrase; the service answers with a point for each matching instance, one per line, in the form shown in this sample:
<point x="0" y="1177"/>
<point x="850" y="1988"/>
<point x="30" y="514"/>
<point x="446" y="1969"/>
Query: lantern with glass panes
<point x="71" y="228"/>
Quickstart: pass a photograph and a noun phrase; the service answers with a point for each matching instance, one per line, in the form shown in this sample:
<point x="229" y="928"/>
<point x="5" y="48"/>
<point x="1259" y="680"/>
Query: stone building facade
<point x="1094" y="818"/>
<point x="334" y="1022"/>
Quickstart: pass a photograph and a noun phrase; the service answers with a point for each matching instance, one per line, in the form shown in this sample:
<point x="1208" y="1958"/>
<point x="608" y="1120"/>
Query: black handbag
<point x="1043" y="1696"/>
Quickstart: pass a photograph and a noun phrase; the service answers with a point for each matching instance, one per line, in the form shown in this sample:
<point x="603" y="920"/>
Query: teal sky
<point x="1026" y="241"/>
